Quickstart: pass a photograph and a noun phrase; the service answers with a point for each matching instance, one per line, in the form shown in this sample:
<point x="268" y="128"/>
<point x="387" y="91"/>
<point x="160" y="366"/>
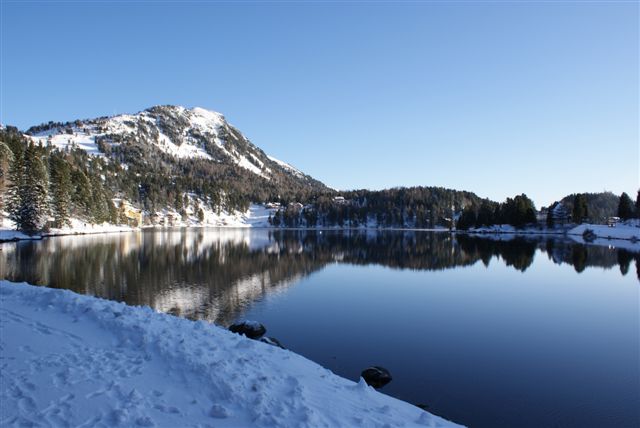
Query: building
<point x="127" y="213"/>
<point x="559" y="214"/>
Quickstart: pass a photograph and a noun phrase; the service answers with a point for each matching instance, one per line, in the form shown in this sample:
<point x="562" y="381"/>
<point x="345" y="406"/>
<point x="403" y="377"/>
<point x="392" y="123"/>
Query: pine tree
<point x="580" y="211"/>
<point x="467" y="219"/>
<point x="13" y="200"/>
<point x="32" y="211"/>
<point x="99" y="201"/>
<point x="550" y="220"/>
<point x="625" y="207"/>
<point x="6" y="159"/>
<point x="60" y="189"/>
<point x="81" y="196"/>
<point x="485" y="215"/>
<point x="638" y="205"/>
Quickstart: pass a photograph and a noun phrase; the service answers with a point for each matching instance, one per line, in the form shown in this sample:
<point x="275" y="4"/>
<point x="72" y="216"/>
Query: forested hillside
<point x="180" y="163"/>
<point x="599" y="206"/>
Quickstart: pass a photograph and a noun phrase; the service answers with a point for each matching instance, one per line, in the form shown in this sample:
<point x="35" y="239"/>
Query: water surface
<point x="536" y="332"/>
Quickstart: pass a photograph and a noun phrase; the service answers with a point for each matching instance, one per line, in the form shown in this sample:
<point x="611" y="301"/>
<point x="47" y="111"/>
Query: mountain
<point x="176" y="131"/>
<point x="160" y="157"/>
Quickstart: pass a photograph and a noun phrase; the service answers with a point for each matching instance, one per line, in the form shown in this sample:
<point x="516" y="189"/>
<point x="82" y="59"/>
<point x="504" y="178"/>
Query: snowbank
<point x="624" y="235"/>
<point x="73" y="360"/>
<point x="255" y="216"/>
<point x="629" y="230"/>
<point x="77" y="227"/>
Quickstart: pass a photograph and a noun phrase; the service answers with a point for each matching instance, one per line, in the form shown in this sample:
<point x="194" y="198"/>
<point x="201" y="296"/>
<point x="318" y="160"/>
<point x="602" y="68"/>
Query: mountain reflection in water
<point x="214" y="274"/>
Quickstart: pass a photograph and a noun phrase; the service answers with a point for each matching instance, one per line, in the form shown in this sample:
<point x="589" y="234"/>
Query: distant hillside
<point x="600" y="206"/>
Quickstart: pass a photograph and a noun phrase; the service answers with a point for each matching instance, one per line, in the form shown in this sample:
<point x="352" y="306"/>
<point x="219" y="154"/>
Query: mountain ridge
<point x="175" y="130"/>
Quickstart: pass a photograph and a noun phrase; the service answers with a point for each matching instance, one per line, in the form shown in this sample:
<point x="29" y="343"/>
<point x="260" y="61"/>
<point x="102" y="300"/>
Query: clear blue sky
<point x="498" y="98"/>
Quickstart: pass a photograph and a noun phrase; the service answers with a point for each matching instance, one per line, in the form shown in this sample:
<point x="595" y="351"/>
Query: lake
<point x="535" y="332"/>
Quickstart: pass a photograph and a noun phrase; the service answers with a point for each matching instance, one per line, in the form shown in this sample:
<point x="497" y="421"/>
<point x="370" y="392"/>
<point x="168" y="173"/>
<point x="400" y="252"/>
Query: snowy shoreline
<point x="76" y="360"/>
<point x="623" y="235"/>
<point x="628" y="239"/>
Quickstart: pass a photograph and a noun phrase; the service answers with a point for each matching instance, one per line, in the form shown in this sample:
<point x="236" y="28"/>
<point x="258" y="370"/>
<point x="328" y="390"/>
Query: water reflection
<point x="214" y="274"/>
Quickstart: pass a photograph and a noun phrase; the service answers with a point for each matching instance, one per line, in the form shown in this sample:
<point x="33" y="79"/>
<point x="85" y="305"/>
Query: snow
<point x="246" y="164"/>
<point x="64" y="141"/>
<point x="181" y="151"/>
<point x="73" y="360"/>
<point x="255" y="216"/>
<point x="624" y="235"/>
<point x="293" y="170"/>
<point x="206" y="120"/>
<point x="628" y="230"/>
<point x="77" y="227"/>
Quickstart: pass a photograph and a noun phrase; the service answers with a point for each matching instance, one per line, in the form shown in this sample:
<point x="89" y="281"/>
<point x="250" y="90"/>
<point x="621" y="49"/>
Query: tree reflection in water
<point x="214" y="274"/>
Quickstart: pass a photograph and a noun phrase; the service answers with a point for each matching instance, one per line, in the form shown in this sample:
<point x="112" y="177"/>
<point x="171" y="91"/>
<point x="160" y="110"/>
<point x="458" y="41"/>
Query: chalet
<point x="559" y="213"/>
<point x="541" y="216"/>
<point x="339" y="200"/>
<point x="128" y="213"/>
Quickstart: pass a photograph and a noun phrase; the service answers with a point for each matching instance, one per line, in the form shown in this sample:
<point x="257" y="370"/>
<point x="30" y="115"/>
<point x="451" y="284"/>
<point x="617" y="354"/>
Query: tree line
<point x="400" y="207"/>
<point x="42" y="187"/>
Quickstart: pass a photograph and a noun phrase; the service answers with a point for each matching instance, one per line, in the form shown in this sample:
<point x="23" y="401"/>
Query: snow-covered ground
<point x="624" y="235"/>
<point x="8" y="231"/>
<point x="255" y="216"/>
<point x="74" y="360"/>
<point x="507" y="228"/>
<point x="626" y="230"/>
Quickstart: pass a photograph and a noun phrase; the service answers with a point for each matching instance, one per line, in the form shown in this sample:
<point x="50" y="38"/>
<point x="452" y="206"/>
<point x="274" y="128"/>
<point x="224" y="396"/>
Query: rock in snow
<point x="376" y="376"/>
<point x="251" y="329"/>
<point x="74" y="360"/>
<point x="272" y="341"/>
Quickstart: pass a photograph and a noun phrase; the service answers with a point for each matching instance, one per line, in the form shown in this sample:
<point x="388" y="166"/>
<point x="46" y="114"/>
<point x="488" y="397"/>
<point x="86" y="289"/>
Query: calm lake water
<point x="522" y="333"/>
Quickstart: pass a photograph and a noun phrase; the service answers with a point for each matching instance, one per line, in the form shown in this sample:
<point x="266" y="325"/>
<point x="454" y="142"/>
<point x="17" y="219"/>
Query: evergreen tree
<point x="81" y="196"/>
<point x="6" y="159"/>
<point x="13" y="200"/>
<point x="114" y="216"/>
<point x="467" y="219"/>
<point x="60" y="189"/>
<point x="550" y="220"/>
<point x="485" y="215"/>
<point x="625" y="207"/>
<point x="580" y="211"/>
<point x="32" y="211"/>
<point x="638" y="205"/>
<point x="99" y="200"/>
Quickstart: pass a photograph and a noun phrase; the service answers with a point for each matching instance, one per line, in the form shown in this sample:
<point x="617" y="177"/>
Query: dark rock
<point x="251" y="329"/>
<point x="423" y="407"/>
<point x="376" y="376"/>
<point x="589" y="235"/>
<point x="272" y="341"/>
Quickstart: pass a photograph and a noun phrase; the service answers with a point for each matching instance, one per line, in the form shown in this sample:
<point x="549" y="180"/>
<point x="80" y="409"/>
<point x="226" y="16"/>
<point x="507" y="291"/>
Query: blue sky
<point x="498" y="98"/>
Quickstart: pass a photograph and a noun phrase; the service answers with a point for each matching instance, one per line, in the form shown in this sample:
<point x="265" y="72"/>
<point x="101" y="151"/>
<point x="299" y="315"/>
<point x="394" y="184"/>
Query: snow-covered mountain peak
<point x="176" y="131"/>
